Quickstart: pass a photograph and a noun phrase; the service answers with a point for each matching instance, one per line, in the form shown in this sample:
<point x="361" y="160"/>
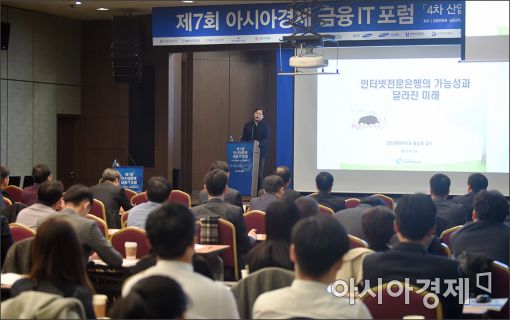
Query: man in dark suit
<point x="112" y="196"/>
<point x="350" y="218"/>
<point x="258" y="130"/>
<point x="289" y="194"/>
<point x="40" y="174"/>
<point x="414" y="223"/>
<point x="449" y="214"/>
<point x="274" y="189"/>
<point x="232" y="195"/>
<point x="216" y="185"/>
<point x="324" y="183"/>
<point x="486" y="234"/>
<point x="476" y="182"/>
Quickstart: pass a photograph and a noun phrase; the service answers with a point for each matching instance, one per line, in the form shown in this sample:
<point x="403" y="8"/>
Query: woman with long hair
<point x="57" y="265"/>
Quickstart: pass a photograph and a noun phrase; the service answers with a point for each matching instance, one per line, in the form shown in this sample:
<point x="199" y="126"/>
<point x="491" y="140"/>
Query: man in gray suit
<point x="216" y="186"/>
<point x="274" y="189"/>
<point x="78" y="200"/>
<point x="232" y="195"/>
<point x="449" y="214"/>
<point x="350" y="218"/>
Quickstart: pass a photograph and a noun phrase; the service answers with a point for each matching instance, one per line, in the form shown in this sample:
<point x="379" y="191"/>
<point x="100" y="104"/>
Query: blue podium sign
<point x="131" y="178"/>
<point x="242" y="159"/>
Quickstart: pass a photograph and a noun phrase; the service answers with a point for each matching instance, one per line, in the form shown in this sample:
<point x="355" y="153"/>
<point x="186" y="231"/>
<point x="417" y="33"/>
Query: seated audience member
<point x="158" y="190"/>
<point x="232" y="195"/>
<point x="377" y="224"/>
<point x="487" y="234"/>
<point x="6" y="238"/>
<point x="216" y="186"/>
<point x="154" y="297"/>
<point x="274" y="189"/>
<point x="307" y="206"/>
<point x="350" y="218"/>
<point x="77" y="202"/>
<point x="318" y="244"/>
<point x="40" y="174"/>
<point x="112" y="196"/>
<point x="415" y="218"/>
<point x="57" y="266"/>
<point x="171" y="233"/>
<point x="449" y="213"/>
<point x="476" y="182"/>
<point x="284" y="173"/>
<point x="49" y="200"/>
<point x="274" y="252"/>
<point x="4" y="182"/>
<point x="324" y="183"/>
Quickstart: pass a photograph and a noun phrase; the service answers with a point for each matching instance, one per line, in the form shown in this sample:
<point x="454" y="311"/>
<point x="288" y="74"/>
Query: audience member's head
<point x="324" y="182"/>
<point x="415" y="217"/>
<point x="490" y="206"/>
<point x="41" y="173"/>
<point x="158" y="189"/>
<point x="284" y="173"/>
<point x="372" y="201"/>
<point x="216" y="182"/>
<point x="477" y="182"/>
<point x="56" y="254"/>
<point x="154" y="297"/>
<point x="274" y="184"/>
<point x="110" y="175"/>
<point x="440" y="185"/>
<point x="171" y="231"/>
<point x="80" y="198"/>
<point x="377" y="224"/>
<point x="49" y="193"/>
<point x="307" y="206"/>
<point x="4" y="177"/>
<point x="219" y="164"/>
<point x="318" y="245"/>
<point x="281" y="216"/>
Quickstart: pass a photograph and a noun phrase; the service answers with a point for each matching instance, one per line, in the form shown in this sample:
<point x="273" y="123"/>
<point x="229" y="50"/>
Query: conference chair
<point x="7" y="202"/>
<point x="395" y="307"/>
<point x="139" y="198"/>
<point x="98" y="210"/>
<point x="14" y="192"/>
<point x="326" y="210"/>
<point x="178" y="196"/>
<point x="131" y="234"/>
<point x="500" y="275"/>
<point x="255" y="219"/>
<point x="444" y="250"/>
<point x="101" y="224"/>
<point x="130" y="194"/>
<point x="352" y="203"/>
<point x="123" y="219"/>
<point x="355" y="242"/>
<point x="446" y="234"/>
<point x="387" y="200"/>
<point x="20" y="232"/>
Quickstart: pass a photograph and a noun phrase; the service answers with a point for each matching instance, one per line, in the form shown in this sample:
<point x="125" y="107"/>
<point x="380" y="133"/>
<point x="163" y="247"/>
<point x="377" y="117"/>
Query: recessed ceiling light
<point x="77" y="3"/>
<point x="102" y="9"/>
<point x="187" y="1"/>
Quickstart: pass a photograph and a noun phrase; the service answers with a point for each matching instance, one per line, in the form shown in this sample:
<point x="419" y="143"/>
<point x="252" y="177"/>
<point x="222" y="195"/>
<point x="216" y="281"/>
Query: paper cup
<point x="244" y="273"/>
<point x="99" y="303"/>
<point x="130" y="248"/>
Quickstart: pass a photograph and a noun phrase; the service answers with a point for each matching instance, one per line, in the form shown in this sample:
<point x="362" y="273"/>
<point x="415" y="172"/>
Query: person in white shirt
<point x="171" y="233"/>
<point x="318" y="244"/>
<point x="158" y="190"/>
<point x="49" y="201"/>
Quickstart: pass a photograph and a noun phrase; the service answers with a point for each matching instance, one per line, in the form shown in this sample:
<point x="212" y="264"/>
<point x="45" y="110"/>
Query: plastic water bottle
<point x="230" y="139"/>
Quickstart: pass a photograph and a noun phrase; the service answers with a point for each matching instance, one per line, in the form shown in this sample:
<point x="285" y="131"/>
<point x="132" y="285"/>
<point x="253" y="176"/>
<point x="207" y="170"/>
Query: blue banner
<point x="240" y="162"/>
<point x="131" y="178"/>
<point x="346" y="20"/>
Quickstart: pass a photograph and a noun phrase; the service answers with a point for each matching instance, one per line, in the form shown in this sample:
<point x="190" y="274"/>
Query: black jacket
<point x="259" y="132"/>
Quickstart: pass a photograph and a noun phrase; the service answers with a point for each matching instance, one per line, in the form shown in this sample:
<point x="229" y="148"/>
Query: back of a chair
<point x="255" y="219"/>
<point x="387" y="200"/>
<point x="227" y="236"/>
<point x="14" y="192"/>
<point x="178" y="196"/>
<point x="352" y="202"/>
<point x="139" y="198"/>
<point x="326" y="210"/>
<point x="446" y="234"/>
<point x="7" y="202"/>
<point x="500" y="275"/>
<point x="20" y="232"/>
<point x="444" y="250"/>
<point x="130" y="193"/>
<point x="123" y="219"/>
<point x="131" y="234"/>
<point x="101" y="224"/>
<point x="395" y="306"/>
<point x="98" y="210"/>
<point x="356" y="242"/>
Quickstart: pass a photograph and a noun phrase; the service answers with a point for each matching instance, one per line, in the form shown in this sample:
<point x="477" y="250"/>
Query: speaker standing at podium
<point x="258" y="130"/>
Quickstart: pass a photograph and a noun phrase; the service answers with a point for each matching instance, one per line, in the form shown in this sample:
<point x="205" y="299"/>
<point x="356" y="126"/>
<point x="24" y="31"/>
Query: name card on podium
<point x="131" y="178"/>
<point x="243" y="162"/>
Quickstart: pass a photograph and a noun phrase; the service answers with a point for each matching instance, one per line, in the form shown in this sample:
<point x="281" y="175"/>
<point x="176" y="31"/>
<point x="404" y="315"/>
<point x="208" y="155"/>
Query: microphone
<point x="115" y="164"/>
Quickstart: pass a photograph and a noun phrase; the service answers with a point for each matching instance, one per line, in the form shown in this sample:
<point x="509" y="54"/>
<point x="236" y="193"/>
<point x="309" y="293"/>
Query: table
<point x="211" y="253"/>
<point x="205" y="249"/>
<point x="112" y="231"/>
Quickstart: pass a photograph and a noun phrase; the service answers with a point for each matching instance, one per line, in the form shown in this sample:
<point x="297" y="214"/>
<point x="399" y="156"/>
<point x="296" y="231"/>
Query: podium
<point x="243" y="161"/>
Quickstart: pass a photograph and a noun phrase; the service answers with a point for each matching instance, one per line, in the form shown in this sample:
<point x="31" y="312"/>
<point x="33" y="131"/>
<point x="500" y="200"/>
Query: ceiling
<point x="88" y="9"/>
